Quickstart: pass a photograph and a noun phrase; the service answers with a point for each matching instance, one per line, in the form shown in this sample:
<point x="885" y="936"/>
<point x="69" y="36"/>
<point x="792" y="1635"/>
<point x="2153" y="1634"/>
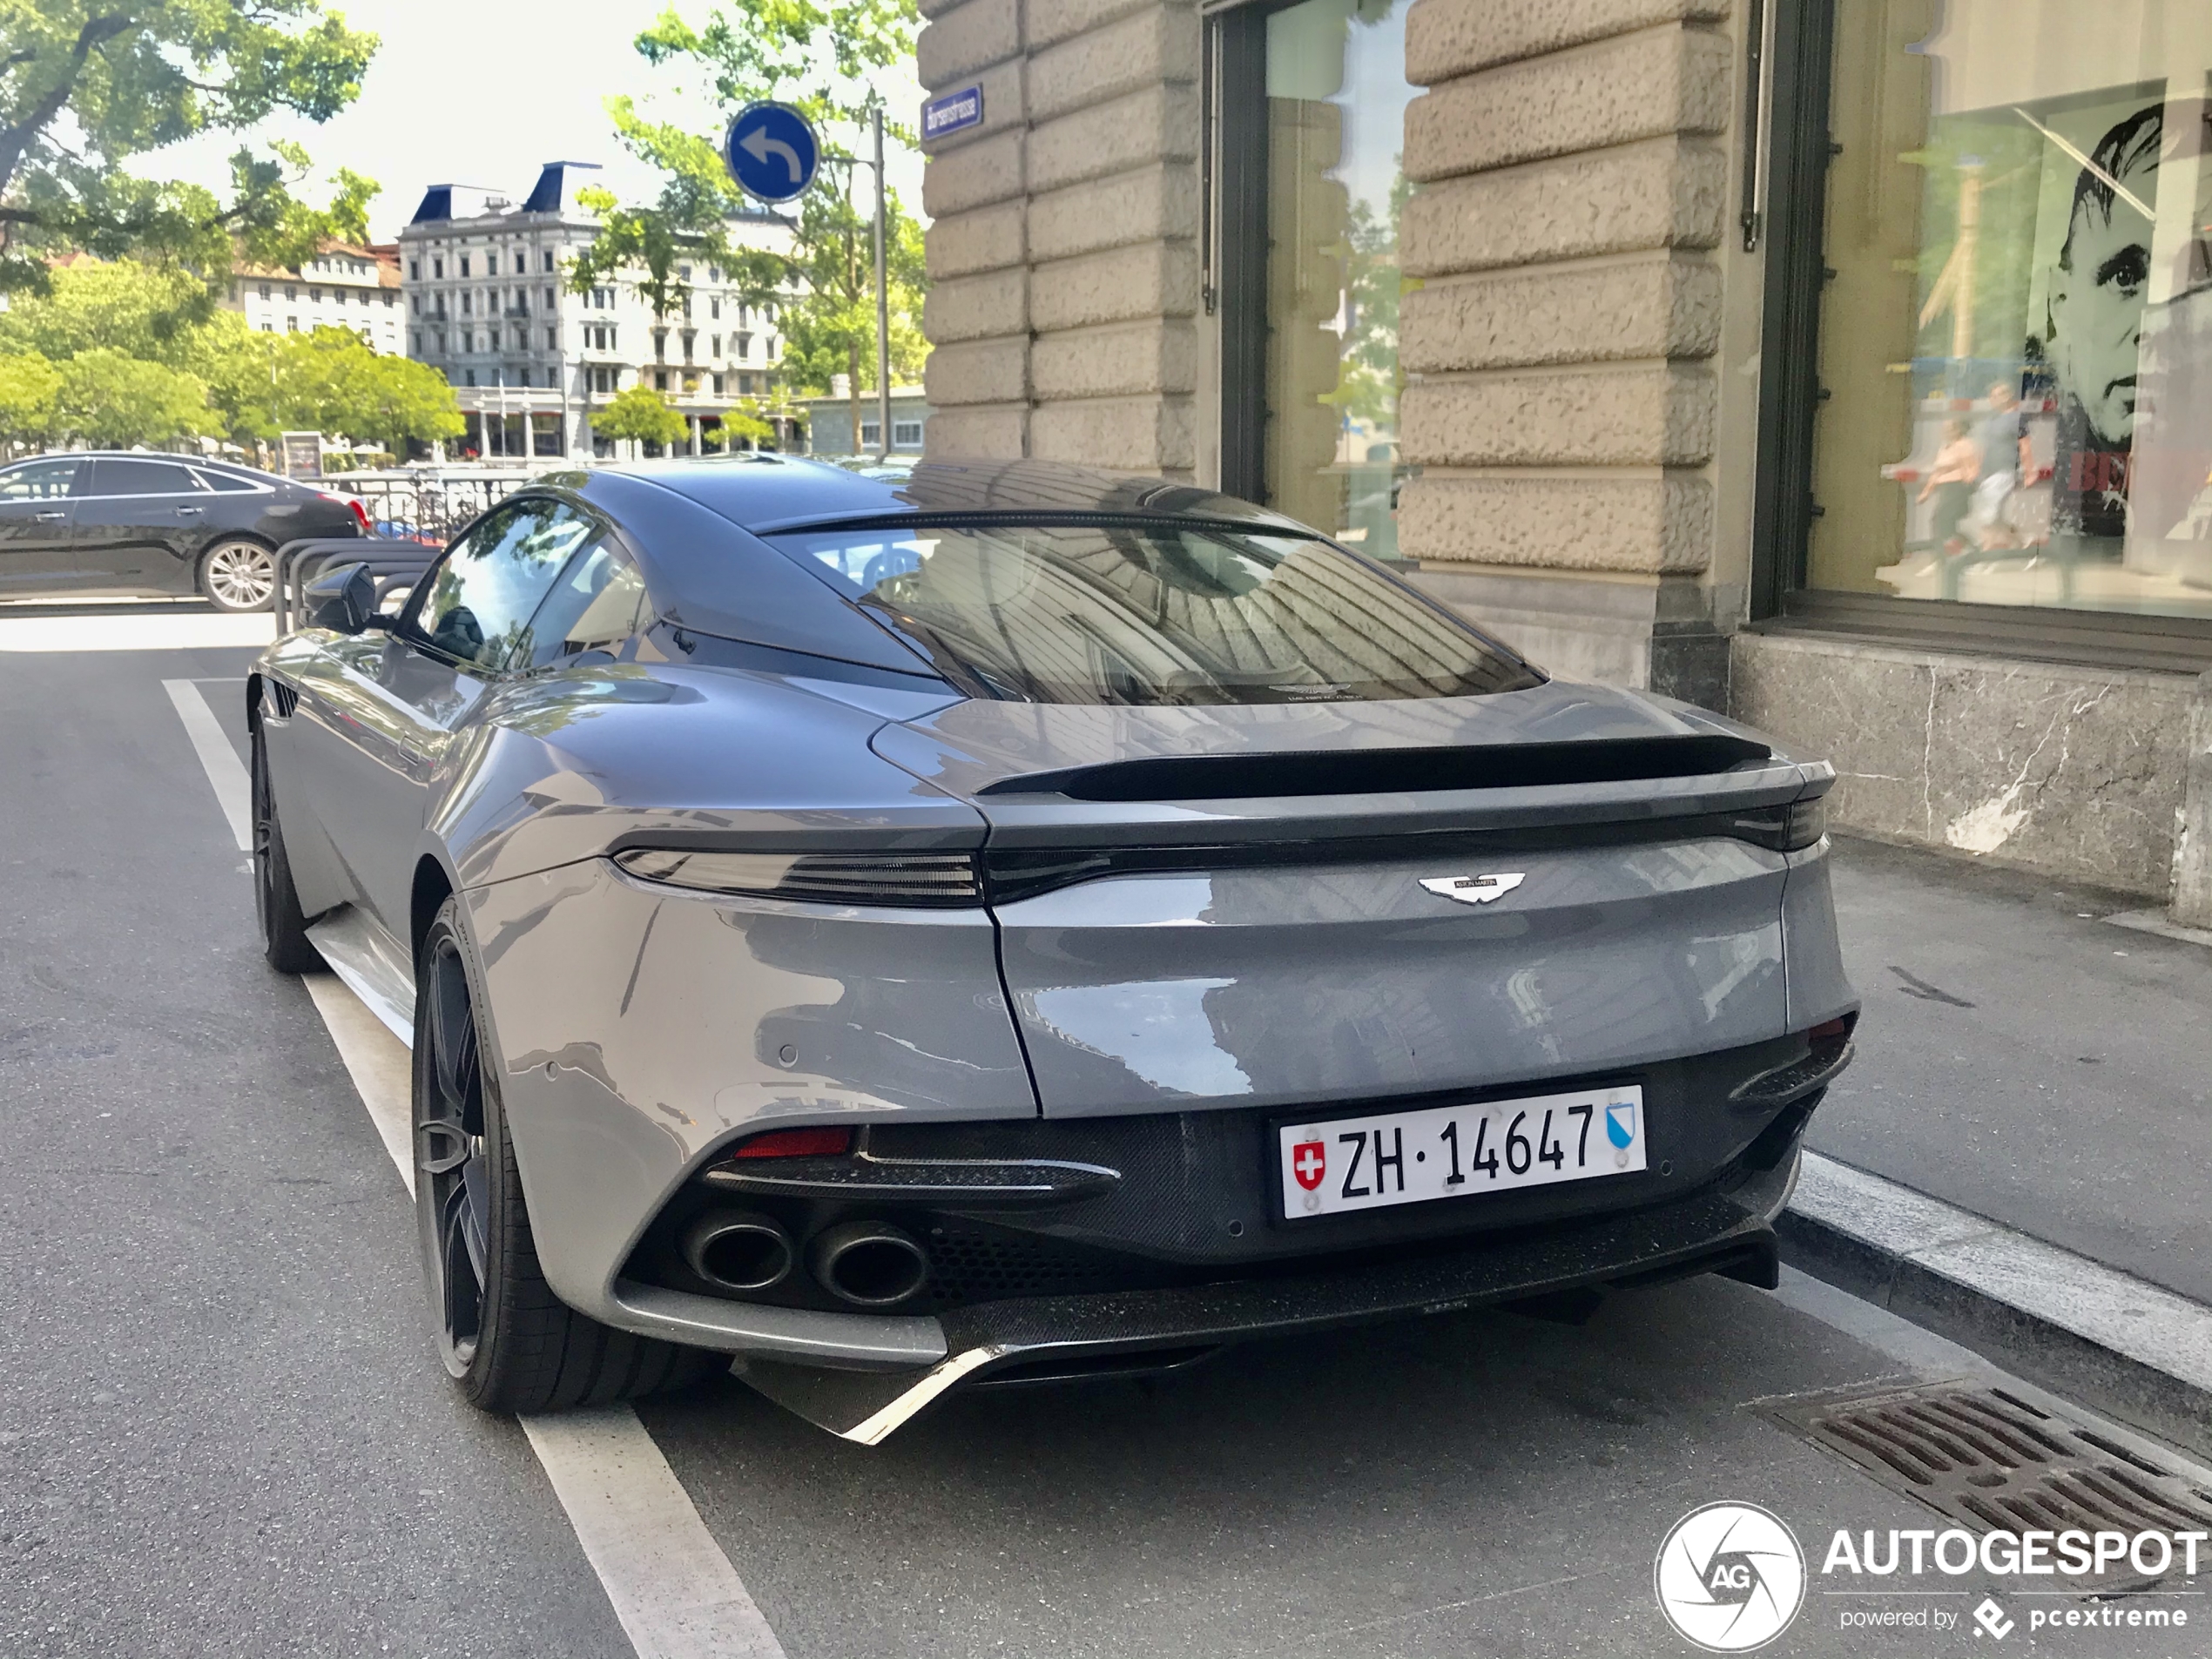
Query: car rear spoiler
<point x="1380" y="771"/>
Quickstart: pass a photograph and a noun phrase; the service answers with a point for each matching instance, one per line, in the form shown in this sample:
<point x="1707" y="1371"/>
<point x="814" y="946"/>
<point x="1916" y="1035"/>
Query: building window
<point x="690" y="339"/>
<point x="906" y="435"/>
<point x="437" y="267"/>
<point x="745" y="345"/>
<point x="714" y="308"/>
<point x="745" y="386"/>
<point x="660" y="380"/>
<point x="1310" y="194"/>
<point x="464" y="264"/>
<point x="265" y="290"/>
<point x="718" y="385"/>
<point x="415" y="270"/>
<point x="683" y="273"/>
<point x="2009" y="399"/>
<point x="552" y="338"/>
<point x="548" y="257"/>
<point x="870" y="432"/>
<point x="472" y="376"/>
<point x="292" y="325"/>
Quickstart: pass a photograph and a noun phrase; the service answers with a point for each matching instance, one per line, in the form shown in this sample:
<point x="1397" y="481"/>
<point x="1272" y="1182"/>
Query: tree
<point x="107" y="400"/>
<point x="28" y="387"/>
<point x="640" y="413"/>
<point x="821" y="57"/>
<point x="87" y="84"/>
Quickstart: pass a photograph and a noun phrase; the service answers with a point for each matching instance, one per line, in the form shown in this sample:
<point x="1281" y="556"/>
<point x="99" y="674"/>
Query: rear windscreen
<point x="1152" y="614"/>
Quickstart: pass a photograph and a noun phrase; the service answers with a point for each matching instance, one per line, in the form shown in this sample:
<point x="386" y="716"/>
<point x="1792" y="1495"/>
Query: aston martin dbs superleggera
<point x="1003" y="923"/>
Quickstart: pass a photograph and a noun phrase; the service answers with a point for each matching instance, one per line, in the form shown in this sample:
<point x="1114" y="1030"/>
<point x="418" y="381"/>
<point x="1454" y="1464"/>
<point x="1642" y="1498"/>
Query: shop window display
<point x="2016" y="343"/>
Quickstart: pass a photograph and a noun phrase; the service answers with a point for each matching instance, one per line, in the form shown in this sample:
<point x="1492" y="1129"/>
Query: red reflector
<point x="1829" y="1030"/>
<point x="798" y="1143"/>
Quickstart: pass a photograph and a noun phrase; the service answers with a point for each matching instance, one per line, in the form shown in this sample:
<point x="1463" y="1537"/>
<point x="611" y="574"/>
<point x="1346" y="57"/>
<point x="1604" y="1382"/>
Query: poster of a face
<point x="2093" y="247"/>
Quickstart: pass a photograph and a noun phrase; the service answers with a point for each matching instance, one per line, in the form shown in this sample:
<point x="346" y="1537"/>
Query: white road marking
<point x="672" y="1587"/>
<point x="224" y="770"/>
<point x="378" y="1062"/>
<point x="194" y="631"/>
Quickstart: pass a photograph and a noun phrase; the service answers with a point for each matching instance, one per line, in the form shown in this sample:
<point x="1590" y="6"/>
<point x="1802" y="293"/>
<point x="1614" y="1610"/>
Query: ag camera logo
<point x="1729" y="1577"/>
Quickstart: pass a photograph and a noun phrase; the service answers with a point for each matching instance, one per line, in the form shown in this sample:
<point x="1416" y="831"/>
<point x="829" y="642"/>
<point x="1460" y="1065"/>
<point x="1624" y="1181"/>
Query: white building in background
<point x="343" y="286"/>
<point x="487" y="302"/>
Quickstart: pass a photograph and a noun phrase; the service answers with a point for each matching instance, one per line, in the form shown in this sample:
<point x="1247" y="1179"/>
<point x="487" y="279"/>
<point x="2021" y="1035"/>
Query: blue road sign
<point x="772" y="152"/>
<point x="952" y="112"/>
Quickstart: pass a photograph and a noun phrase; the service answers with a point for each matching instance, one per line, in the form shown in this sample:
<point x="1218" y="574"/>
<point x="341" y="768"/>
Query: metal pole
<point x="882" y="306"/>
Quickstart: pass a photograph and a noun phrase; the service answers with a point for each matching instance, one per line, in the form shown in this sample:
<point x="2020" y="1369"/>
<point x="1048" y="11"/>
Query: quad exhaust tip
<point x="867" y="1264"/>
<point x="738" y="1250"/>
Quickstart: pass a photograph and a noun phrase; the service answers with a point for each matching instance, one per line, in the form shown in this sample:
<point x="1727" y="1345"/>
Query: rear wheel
<point x="237" y="575"/>
<point x="276" y="902"/>
<point x="511" y="1343"/>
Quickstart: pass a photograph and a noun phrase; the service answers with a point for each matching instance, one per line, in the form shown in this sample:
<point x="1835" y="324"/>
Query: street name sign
<point x="772" y="152"/>
<point x="952" y="112"/>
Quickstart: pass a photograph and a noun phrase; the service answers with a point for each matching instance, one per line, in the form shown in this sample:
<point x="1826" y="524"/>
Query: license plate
<point x="1450" y="1152"/>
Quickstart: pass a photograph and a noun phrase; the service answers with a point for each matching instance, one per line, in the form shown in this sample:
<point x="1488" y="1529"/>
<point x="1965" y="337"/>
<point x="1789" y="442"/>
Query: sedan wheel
<point x="276" y="901"/>
<point x="511" y="1344"/>
<point x="237" y="575"/>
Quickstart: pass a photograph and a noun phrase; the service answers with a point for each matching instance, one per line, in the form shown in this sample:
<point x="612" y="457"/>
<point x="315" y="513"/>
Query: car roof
<point x="772" y="492"/>
<point x="206" y="463"/>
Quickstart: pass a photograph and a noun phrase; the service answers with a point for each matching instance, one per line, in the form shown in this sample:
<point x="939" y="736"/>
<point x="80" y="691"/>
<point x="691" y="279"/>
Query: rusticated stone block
<point x="1652" y="525"/>
<point x="1157" y="123"/>
<point x="990" y="238"/>
<point x="1629" y="417"/>
<point x="1641" y="86"/>
<point x="1151" y="280"/>
<point x="1148" y="435"/>
<point x="1654" y="306"/>
<point x="1445" y="38"/>
<point x="1056" y="20"/>
<point x="979" y="371"/>
<point x="974" y="176"/>
<point x="1142" y="49"/>
<point x="977" y="307"/>
<point x="968" y="37"/>
<point x="1662" y="192"/>
<point x="1119" y="360"/>
<point x="1145" y="205"/>
<point x="978" y="434"/>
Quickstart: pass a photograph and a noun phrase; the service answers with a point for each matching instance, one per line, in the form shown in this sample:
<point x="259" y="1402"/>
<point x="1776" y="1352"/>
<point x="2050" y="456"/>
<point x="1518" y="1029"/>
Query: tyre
<point x="276" y="902"/>
<point x="506" y="1338"/>
<point x="237" y="575"/>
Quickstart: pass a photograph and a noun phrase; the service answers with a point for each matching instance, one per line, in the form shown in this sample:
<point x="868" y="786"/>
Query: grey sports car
<point x="1006" y="923"/>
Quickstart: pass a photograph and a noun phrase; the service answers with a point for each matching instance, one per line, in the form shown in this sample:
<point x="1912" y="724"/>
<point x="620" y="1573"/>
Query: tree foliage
<point x="250" y="386"/>
<point x="641" y="414"/>
<point x="28" y="387"/>
<point x="109" y="400"/>
<point x="825" y="58"/>
<point x="85" y="85"/>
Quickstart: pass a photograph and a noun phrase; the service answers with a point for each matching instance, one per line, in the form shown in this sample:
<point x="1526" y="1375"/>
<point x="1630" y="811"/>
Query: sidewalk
<point x="2021" y="1058"/>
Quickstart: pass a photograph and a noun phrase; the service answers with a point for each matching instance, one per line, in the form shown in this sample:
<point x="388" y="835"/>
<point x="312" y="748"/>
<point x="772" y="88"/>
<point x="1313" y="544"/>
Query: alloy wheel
<point x="240" y="576"/>
<point x="453" y="1178"/>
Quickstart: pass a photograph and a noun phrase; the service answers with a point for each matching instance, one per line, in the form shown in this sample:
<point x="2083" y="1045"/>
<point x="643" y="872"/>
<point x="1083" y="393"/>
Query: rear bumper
<point x="1730" y="1231"/>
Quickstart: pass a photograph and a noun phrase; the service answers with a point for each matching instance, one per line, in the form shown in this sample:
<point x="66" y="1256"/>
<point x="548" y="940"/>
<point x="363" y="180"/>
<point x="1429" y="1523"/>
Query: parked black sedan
<point x="100" y="523"/>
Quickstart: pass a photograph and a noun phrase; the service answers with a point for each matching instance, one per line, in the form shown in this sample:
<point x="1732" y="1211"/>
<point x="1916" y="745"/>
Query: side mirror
<point x="342" y="598"/>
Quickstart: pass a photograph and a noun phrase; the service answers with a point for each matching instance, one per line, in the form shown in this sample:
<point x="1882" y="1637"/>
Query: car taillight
<point x="360" y="508"/>
<point x="1785" y="829"/>
<point x="798" y="1143"/>
<point x="932" y="881"/>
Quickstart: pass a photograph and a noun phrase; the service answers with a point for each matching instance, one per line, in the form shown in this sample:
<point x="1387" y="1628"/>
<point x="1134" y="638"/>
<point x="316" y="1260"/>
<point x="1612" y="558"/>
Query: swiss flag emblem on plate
<point x="1309" y="1163"/>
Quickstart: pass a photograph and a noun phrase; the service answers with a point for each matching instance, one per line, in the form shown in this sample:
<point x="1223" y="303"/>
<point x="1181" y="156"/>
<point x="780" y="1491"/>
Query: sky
<point x="482" y="92"/>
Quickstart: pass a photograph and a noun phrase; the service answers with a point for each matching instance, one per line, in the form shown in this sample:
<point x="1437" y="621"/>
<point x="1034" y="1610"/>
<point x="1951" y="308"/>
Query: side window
<point x="599" y="604"/>
<point x="477" y="605"/>
<point x="112" y="477"/>
<point x="39" y="481"/>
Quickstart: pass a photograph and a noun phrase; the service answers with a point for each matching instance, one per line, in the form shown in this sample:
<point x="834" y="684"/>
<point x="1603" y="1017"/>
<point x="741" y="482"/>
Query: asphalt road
<point x="223" y="1430"/>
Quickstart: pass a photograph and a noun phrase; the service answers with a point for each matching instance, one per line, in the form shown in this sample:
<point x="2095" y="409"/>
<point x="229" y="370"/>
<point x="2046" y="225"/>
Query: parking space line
<point x="234" y="793"/>
<point x="673" y="1589"/>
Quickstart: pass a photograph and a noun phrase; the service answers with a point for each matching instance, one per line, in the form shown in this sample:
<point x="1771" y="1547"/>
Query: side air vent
<point x="1376" y="772"/>
<point x="283" y="697"/>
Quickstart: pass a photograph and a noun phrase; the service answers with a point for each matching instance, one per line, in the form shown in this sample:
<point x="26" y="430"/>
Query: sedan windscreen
<point x="1156" y="614"/>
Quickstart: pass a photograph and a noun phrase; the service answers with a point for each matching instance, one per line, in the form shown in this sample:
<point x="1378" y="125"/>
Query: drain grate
<point x="1993" y="1461"/>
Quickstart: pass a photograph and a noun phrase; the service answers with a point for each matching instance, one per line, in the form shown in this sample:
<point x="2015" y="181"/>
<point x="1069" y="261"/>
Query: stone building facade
<point x="1678" y="341"/>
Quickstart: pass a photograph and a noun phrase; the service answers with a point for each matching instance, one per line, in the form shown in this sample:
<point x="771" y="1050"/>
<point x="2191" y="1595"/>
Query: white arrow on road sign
<point x="757" y="144"/>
